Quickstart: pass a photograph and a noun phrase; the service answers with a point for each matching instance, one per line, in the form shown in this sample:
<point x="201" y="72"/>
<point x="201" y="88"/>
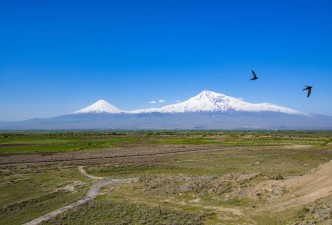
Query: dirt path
<point x="82" y="170"/>
<point x="92" y="193"/>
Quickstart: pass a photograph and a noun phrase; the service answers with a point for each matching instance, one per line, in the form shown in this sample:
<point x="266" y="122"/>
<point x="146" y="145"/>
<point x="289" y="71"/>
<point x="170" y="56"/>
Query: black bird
<point x="308" y="88"/>
<point x="254" y="75"/>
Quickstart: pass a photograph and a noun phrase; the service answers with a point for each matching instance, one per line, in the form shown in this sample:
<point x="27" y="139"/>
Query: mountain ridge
<point x="205" y="101"/>
<point x="209" y="101"/>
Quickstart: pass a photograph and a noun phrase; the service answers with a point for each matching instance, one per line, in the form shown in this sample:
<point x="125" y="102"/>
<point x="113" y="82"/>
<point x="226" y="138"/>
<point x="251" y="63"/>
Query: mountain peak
<point x="209" y="101"/>
<point x="100" y="106"/>
<point x="209" y="95"/>
<point x="101" y="101"/>
<point x="207" y="92"/>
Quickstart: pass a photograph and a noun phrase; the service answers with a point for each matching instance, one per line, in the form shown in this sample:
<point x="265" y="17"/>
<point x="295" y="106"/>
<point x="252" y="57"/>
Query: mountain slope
<point x="208" y="101"/>
<point x="101" y="106"/>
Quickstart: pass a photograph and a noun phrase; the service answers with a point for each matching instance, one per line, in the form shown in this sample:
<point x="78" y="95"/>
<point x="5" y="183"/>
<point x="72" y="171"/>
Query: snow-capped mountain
<point x="207" y="110"/>
<point x="101" y="106"/>
<point x="209" y="101"/>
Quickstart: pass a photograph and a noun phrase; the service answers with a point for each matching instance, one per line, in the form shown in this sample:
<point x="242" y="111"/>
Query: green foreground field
<point x="213" y="186"/>
<point x="24" y="142"/>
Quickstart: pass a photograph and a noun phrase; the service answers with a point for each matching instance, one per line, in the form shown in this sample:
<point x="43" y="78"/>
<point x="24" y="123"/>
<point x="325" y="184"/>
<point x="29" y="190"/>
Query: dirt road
<point x="92" y="193"/>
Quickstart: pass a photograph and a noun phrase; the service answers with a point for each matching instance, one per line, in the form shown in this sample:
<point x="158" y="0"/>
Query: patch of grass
<point x="112" y="212"/>
<point x="25" y="211"/>
<point x="238" y="202"/>
<point x="70" y="141"/>
<point x="303" y="212"/>
<point x="186" y="141"/>
<point x="29" y="191"/>
<point x="268" y="161"/>
<point x="39" y="144"/>
<point x="275" y="218"/>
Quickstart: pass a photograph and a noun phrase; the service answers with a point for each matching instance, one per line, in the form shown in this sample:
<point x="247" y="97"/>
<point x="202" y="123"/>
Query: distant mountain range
<point x="207" y="110"/>
<point x="206" y="101"/>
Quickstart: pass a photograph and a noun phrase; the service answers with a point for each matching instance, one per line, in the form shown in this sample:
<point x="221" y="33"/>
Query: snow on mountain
<point x="208" y="101"/>
<point x="243" y="115"/>
<point x="101" y="106"/>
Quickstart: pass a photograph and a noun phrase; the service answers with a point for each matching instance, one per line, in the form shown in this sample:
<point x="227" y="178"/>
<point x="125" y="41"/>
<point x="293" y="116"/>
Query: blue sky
<point x="59" y="56"/>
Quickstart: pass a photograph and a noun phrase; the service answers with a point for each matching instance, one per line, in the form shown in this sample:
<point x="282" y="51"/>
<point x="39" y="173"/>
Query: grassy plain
<point x="209" y="185"/>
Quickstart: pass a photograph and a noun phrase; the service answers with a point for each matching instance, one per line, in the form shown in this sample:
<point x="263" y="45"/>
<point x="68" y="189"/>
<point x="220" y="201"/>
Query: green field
<point x="28" y="191"/>
<point x="73" y="141"/>
<point x="199" y="187"/>
<point x="60" y="142"/>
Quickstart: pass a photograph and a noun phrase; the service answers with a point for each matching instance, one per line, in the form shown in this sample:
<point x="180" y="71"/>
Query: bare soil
<point x="297" y="191"/>
<point x="104" y="155"/>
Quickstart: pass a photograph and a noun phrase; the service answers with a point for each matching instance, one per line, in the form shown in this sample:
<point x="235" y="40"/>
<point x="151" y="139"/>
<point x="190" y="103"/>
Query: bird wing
<point x="254" y="74"/>
<point x="309" y="92"/>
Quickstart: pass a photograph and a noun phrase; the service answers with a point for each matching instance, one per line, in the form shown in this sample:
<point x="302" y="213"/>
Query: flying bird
<point x="254" y="75"/>
<point x="308" y="88"/>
